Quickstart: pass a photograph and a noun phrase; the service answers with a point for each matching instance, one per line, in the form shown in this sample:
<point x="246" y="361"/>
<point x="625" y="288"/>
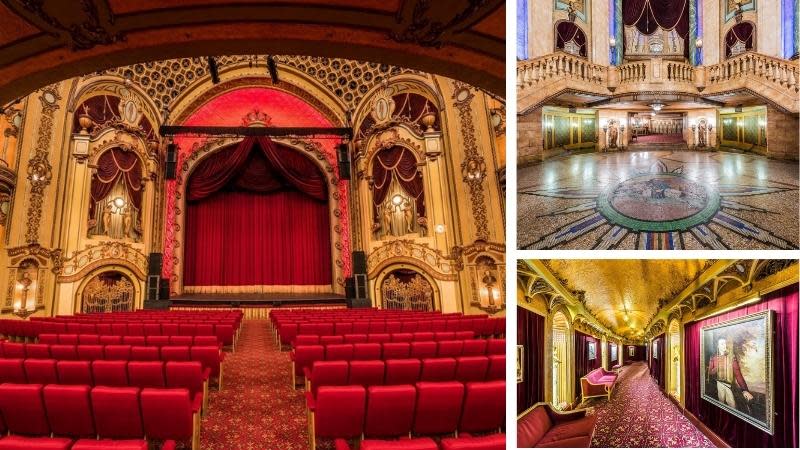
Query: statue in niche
<point x="613" y="134"/>
<point x="398" y="215"/>
<point x="702" y="130"/>
<point x="107" y="216"/>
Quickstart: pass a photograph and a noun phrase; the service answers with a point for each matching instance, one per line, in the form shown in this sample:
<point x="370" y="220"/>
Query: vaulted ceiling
<point x="50" y="40"/>
<point x="614" y="289"/>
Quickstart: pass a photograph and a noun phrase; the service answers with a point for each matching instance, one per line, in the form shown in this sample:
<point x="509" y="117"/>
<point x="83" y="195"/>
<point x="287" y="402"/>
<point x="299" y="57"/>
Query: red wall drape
<point x="733" y="430"/>
<point x="530" y="334"/>
<point x="568" y="31"/>
<point x="740" y="32"/>
<point x="112" y="165"/>
<point x="397" y="163"/>
<point x="648" y="15"/>
<point x="257" y="216"/>
<point x="583" y="364"/>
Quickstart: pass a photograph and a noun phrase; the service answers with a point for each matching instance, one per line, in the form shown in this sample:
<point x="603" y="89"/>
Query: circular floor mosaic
<point x="659" y="202"/>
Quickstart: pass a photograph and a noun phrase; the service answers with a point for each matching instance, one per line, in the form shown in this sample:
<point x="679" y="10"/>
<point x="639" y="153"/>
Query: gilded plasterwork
<point x="39" y="167"/>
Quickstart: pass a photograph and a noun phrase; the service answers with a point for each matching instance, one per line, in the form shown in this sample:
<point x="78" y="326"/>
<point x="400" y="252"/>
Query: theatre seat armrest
<point x="307" y="372"/>
<point x="206" y="374"/>
<point x="310" y="401"/>
<point x="169" y="445"/>
<point x="559" y="416"/>
<point x="291" y="355"/>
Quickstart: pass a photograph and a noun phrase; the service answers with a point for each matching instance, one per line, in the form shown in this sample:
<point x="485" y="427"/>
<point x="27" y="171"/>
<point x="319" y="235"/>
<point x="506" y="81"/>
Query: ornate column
<point x="436" y="185"/>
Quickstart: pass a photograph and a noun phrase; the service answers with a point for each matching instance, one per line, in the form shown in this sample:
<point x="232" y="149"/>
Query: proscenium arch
<point x="337" y="274"/>
<point x="343" y="31"/>
<point x="123" y="268"/>
<point x="391" y="267"/>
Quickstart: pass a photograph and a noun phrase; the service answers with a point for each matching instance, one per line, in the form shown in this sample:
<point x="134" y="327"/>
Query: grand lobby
<point x="665" y="353"/>
<point x="252" y="225"/>
<point x="657" y="124"/>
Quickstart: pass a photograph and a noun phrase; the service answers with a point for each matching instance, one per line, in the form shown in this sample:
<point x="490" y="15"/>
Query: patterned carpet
<point x="639" y="415"/>
<point x="257" y="409"/>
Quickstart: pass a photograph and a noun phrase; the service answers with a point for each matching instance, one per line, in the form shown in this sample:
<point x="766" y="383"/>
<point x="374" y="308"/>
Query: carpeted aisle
<point x="640" y="415"/>
<point x="257" y="409"/>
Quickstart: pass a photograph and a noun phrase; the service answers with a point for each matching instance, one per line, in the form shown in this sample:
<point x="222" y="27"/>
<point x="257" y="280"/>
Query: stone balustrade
<point x="773" y="71"/>
<point x="559" y="66"/>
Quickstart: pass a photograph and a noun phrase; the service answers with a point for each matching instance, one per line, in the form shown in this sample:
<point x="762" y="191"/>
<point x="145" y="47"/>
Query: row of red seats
<point x="427" y="408"/>
<point x="312" y="339"/>
<point x="495" y="441"/>
<point x="481" y="327"/>
<point x="58" y="415"/>
<point x="405" y="371"/>
<point x="209" y="356"/>
<point x="142" y="374"/>
<point x="223" y="332"/>
<point x="110" y="339"/>
<point x="303" y="356"/>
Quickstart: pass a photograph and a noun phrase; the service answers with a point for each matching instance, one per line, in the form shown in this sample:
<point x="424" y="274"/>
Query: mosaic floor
<point x="659" y="200"/>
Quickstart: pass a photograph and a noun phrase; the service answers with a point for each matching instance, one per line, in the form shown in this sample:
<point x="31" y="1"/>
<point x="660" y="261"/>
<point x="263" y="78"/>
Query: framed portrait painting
<point x="613" y="352"/>
<point x="631" y="350"/>
<point x="655" y="349"/>
<point x="520" y="363"/>
<point x="592" y="351"/>
<point x="736" y="368"/>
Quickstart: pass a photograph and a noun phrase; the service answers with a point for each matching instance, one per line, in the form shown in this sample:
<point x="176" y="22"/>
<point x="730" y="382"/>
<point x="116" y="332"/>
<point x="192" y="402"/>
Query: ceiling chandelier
<point x="656" y="106"/>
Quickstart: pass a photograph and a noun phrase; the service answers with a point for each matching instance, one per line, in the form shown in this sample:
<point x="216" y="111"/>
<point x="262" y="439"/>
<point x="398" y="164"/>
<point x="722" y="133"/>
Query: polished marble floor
<point x="659" y="200"/>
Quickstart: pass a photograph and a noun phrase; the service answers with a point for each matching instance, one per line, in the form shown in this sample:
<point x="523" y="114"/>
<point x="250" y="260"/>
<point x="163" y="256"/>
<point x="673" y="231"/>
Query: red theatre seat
<point x="41" y="371"/>
<point x="355" y="338"/>
<point x="148" y="374"/>
<point x="390" y="411"/>
<point x="484" y="407"/>
<point x="396" y="350"/>
<point x="339" y="352"/>
<point x="474" y="347"/>
<point x="90" y="352"/>
<point x="367" y="351"/>
<point x="157" y="340"/>
<point x="110" y="339"/>
<point x="12" y="371"/>
<point x="438" y="407"/>
<point x="496" y="347"/>
<point x="110" y="373"/>
<point x="497" y="368"/>
<point x="402" y="371"/>
<point x="118" y="352"/>
<point x="22" y="408"/>
<point x="306" y="339"/>
<point x="337" y="412"/>
<point x="175" y="353"/>
<point x="450" y="349"/>
<point x="183" y="340"/>
<point x="69" y="410"/>
<point x="366" y="373"/>
<point x="74" y="372"/>
<point x="328" y="340"/>
<point x="92" y="444"/>
<point x="116" y="412"/>
<point x="328" y="373"/>
<point x="35" y="443"/>
<point x="423" y="349"/>
<point x="541" y="426"/>
<point x="187" y="375"/>
<point x="438" y="369"/>
<point x="144" y="353"/>
<point x="63" y="352"/>
<point x="471" y="368"/>
<point x="402" y="444"/>
<point x="490" y="442"/>
<point x="39" y="351"/>
<point x="13" y="350"/>
<point x="304" y="356"/>
<point x="168" y="414"/>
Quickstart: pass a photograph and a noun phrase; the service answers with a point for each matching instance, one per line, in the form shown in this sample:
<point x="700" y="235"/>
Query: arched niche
<point x="570" y="38"/>
<point x="107" y="291"/>
<point x="397" y="193"/>
<point x="562" y="362"/>
<point x="739" y="38"/>
<point x="116" y="195"/>
<point x="408" y="290"/>
<point x="410" y="270"/>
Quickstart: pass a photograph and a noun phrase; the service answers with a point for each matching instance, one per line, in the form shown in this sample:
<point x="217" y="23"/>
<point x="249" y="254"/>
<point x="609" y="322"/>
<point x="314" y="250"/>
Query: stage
<point x="258" y="300"/>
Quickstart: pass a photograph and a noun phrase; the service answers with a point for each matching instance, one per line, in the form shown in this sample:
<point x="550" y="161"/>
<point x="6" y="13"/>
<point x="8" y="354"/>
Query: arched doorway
<point x="257" y="221"/>
<point x="675" y="359"/>
<point x="407" y="289"/>
<point x="560" y="359"/>
<point x="109" y="291"/>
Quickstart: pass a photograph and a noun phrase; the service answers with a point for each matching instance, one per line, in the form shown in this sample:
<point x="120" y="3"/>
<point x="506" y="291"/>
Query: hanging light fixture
<point x="656" y="106"/>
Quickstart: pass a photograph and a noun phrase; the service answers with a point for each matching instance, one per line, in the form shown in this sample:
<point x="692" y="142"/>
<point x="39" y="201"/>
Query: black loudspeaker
<point x="361" y="286"/>
<point x="163" y="292"/>
<point x="358" y="303"/>
<point x="349" y="287"/>
<point x="343" y="155"/>
<point x="359" y="262"/>
<point x="171" y="162"/>
<point x="154" y="263"/>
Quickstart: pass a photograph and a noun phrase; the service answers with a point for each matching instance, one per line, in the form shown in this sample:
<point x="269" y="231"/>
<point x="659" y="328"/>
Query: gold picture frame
<point x="748" y="339"/>
<point x="520" y="363"/>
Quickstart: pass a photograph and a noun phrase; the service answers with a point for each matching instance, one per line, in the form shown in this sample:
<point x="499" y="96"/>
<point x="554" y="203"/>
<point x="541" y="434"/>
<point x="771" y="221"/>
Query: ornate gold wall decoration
<point x="413" y="294"/>
<point x="473" y="168"/>
<point x="33" y="260"/>
<point x="484" y="265"/>
<point x="77" y="264"/>
<point x="108" y="292"/>
<point x="433" y="262"/>
<point x="39" y="168"/>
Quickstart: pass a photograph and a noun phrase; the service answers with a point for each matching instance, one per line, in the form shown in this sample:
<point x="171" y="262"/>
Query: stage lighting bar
<point x="272" y="68"/>
<point x="213" y="69"/>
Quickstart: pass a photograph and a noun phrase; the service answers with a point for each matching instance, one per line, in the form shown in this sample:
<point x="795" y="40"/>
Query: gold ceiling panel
<point x="612" y="287"/>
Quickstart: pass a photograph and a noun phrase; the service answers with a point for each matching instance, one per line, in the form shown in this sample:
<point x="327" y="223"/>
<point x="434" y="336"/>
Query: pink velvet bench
<point x="598" y="383"/>
<point x="542" y="426"/>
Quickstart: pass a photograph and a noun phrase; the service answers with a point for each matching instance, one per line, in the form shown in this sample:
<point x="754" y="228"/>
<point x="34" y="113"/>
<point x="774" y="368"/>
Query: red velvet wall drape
<point x="648" y="15"/>
<point x="257" y="216"/>
<point x="739" y="32"/>
<point x="530" y="334"/>
<point x="568" y="31"/>
<point x="111" y="166"/>
<point x="583" y="364"/>
<point x="733" y="430"/>
<point x="397" y="163"/>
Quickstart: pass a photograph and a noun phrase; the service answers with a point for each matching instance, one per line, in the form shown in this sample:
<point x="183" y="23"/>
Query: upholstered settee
<point x="542" y="426"/>
<point x="598" y="383"/>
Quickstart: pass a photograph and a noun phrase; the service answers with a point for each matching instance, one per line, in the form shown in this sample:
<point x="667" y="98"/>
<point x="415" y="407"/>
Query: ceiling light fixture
<point x="656" y="106"/>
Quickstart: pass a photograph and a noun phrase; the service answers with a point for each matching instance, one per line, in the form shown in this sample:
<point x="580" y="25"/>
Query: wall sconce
<point x="439" y="228"/>
<point x="26" y="305"/>
<point x="612" y="42"/>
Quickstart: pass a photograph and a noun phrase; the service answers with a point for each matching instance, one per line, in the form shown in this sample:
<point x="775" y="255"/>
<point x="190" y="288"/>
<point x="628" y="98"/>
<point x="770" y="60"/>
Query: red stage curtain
<point x="736" y="432"/>
<point x="583" y="364"/>
<point x="657" y="364"/>
<point x="398" y="163"/>
<point x="568" y="31"/>
<point x="257" y="216"/>
<point x="530" y="334"/>
<point x="111" y="166"/>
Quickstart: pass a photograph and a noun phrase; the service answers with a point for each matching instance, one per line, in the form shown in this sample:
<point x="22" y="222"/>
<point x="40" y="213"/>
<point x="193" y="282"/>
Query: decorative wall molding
<point x="79" y="263"/>
<point x="39" y="167"/>
<point x="473" y="168"/>
<point x="399" y="251"/>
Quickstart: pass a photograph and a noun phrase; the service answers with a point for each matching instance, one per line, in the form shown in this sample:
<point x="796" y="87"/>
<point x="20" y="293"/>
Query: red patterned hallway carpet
<point x="640" y="415"/>
<point x="257" y="408"/>
<point x="660" y="139"/>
